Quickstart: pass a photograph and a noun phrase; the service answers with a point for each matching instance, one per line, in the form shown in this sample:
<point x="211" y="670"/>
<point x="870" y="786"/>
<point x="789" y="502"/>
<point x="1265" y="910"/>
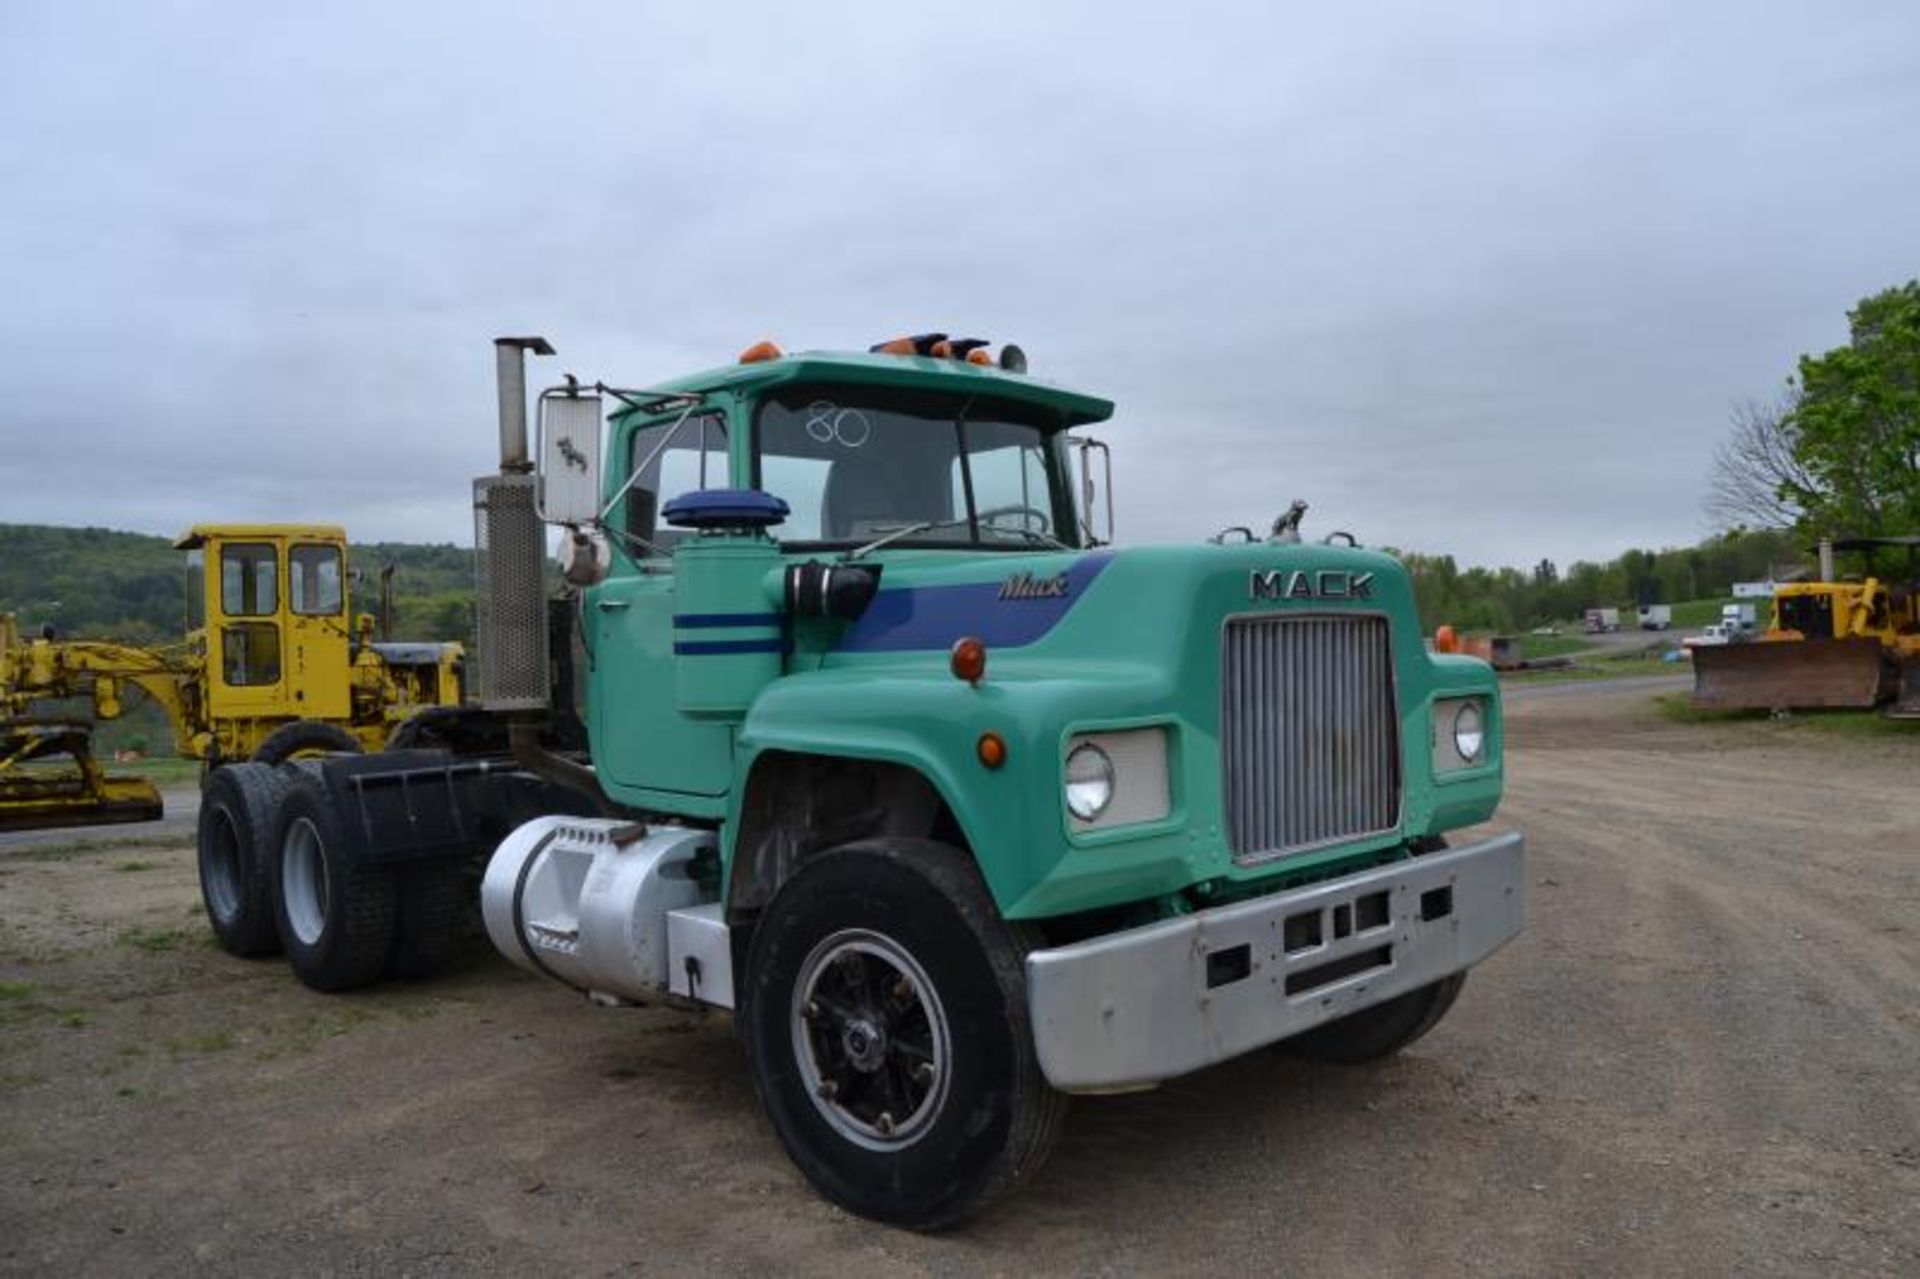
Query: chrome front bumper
<point x="1136" y="1007"/>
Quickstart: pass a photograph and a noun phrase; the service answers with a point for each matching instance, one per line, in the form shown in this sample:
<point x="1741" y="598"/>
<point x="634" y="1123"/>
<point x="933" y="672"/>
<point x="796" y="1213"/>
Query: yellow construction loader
<point x="1832" y="644"/>
<point x="274" y="666"/>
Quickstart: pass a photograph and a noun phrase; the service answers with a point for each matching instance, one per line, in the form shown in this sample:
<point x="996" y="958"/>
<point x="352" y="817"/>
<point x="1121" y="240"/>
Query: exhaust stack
<point x="510" y="372"/>
<point x="510" y="554"/>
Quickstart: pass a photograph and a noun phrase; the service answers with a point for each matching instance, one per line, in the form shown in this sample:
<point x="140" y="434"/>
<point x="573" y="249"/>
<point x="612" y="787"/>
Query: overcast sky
<point x="1470" y="278"/>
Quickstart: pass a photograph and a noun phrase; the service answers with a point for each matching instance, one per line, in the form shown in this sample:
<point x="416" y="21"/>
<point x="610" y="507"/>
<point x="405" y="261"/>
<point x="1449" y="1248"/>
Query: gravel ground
<point x="1699" y="1057"/>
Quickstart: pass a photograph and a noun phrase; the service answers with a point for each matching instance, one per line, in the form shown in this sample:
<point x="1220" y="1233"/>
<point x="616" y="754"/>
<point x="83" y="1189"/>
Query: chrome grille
<point x="1309" y="732"/>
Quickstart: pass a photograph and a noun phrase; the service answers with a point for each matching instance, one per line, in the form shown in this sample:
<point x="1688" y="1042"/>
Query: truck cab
<point x="1258" y="711"/>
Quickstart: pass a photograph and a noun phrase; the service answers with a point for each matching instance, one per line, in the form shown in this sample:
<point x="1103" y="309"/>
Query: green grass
<point x="158" y="941"/>
<point x="136" y="865"/>
<point x="1679" y="709"/>
<point x="15" y="990"/>
<point x="1692" y="615"/>
<point x="83" y="847"/>
<point x="1535" y="647"/>
<point x="212" y="1041"/>
<point x="162" y="770"/>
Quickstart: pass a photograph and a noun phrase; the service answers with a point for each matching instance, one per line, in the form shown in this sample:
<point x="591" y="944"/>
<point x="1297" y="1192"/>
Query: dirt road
<point x="1700" y="1057"/>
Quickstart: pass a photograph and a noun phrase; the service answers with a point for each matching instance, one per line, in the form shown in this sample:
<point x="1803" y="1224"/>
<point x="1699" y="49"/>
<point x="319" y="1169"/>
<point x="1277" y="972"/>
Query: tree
<point x="1758" y="479"/>
<point x="1857" y="426"/>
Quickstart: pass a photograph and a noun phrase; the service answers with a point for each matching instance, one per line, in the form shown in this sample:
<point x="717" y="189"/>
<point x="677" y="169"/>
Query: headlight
<point x="1469" y="732"/>
<point x="1089" y="782"/>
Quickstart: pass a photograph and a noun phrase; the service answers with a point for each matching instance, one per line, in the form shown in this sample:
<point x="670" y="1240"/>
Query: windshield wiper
<point x="908" y="530"/>
<point x="1035" y="535"/>
<point x="927" y="526"/>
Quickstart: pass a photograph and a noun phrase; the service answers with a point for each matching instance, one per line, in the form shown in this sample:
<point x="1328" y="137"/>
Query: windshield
<point x="857" y="465"/>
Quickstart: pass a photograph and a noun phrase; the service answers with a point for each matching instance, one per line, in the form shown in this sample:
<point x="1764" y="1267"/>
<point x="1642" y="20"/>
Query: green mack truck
<point x="957" y="807"/>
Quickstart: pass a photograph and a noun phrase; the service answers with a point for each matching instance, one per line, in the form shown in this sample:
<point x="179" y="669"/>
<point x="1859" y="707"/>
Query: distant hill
<point x="98" y="583"/>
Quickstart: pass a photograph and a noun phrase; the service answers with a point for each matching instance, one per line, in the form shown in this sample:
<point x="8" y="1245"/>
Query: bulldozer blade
<point x="1906" y="702"/>
<point x="1790" y="675"/>
<point x="31" y="801"/>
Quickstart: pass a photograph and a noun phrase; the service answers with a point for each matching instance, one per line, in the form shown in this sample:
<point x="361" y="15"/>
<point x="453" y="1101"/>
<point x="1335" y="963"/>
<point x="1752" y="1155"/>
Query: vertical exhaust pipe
<point x="510" y="372"/>
<point x="509" y="664"/>
<point x="1826" y="559"/>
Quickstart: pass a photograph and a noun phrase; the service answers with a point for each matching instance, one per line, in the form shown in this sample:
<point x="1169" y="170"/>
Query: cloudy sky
<point x="1472" y="278"/>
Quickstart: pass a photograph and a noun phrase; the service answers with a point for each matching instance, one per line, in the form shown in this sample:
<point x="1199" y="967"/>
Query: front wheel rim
<point x="870" y="1039"/>
<point x="303" y="879"/>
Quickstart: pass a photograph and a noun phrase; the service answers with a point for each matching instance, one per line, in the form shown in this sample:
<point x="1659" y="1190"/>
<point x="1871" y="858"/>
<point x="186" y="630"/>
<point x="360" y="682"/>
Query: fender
<point x="923" y="720"/>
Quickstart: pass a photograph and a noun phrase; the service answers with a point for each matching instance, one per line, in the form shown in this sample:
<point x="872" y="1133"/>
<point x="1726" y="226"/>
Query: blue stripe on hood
<point x="933" y="617"/>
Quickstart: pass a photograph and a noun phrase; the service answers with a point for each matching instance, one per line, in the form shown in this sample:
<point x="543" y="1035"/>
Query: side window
<point x="313" y="581"/>
<point x="695" y="458"/>
<point x="250" y="654"/>
<point x="248" y="580"/>
<point x="196" y="589"/>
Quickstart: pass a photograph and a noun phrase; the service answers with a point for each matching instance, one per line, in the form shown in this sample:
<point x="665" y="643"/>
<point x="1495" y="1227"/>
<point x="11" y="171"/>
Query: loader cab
<point x="269" y="604"/>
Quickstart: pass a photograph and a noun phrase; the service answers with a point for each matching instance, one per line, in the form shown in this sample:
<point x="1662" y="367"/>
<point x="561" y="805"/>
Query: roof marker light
<point x="760" y="352"/>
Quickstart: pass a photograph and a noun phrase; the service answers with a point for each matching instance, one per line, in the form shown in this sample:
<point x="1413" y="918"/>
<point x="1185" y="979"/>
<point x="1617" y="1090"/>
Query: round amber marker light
<point x="969" y="659"/>
<point x="993" y="749"/>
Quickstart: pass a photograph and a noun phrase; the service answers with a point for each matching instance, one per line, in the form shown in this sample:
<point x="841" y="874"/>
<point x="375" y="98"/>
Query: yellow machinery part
<point x="1906" y="699"/>
<point x="1792" y="675"/>
<point x="38" y="795"/>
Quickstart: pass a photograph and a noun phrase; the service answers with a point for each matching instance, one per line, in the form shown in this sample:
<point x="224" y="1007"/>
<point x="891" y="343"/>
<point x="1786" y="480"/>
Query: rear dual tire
<point x="337" y="914"/>
<point x="237" y="837"/>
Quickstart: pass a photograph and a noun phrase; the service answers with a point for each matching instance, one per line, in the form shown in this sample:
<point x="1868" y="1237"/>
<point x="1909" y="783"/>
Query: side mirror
<point x="569" y="450"/>
<point x="1089" y="491"/>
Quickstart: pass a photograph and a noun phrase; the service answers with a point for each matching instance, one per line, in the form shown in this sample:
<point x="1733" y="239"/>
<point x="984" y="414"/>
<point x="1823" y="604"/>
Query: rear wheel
<point x="885" y="1019"/>
<point x="238" y="810"/>
<point x="304" y="739"/>
<point x="1379" y="1031"/>
<point x="336" y="913"/>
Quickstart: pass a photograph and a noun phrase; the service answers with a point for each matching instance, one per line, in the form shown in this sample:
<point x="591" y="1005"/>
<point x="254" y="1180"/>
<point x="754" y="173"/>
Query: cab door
<point x="318" y="631"/>
<point x="246" y="674"/>
<point x="640" y="738"/>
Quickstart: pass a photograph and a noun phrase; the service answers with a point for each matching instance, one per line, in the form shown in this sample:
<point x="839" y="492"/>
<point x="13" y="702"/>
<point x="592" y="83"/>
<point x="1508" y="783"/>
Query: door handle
<point x="614" y="606"/>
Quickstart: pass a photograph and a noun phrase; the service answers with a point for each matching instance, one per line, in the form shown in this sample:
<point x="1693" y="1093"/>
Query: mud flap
<point x="1791" y="675"/>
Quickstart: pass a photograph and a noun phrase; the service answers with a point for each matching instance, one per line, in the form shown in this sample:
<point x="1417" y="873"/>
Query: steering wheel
<point x="1032" y="518"/>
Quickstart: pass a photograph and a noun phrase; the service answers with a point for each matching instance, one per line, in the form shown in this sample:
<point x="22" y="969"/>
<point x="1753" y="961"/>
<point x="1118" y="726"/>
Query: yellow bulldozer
<point x="274" y="666"/>
<point x="1832" y="644"/>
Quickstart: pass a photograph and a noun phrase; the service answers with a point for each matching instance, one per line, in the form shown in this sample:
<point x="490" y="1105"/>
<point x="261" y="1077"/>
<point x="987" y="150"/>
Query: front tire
<point x="885" y="1019"/>
<point x="336" y="913"/>
<point x="305" y="739"/>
